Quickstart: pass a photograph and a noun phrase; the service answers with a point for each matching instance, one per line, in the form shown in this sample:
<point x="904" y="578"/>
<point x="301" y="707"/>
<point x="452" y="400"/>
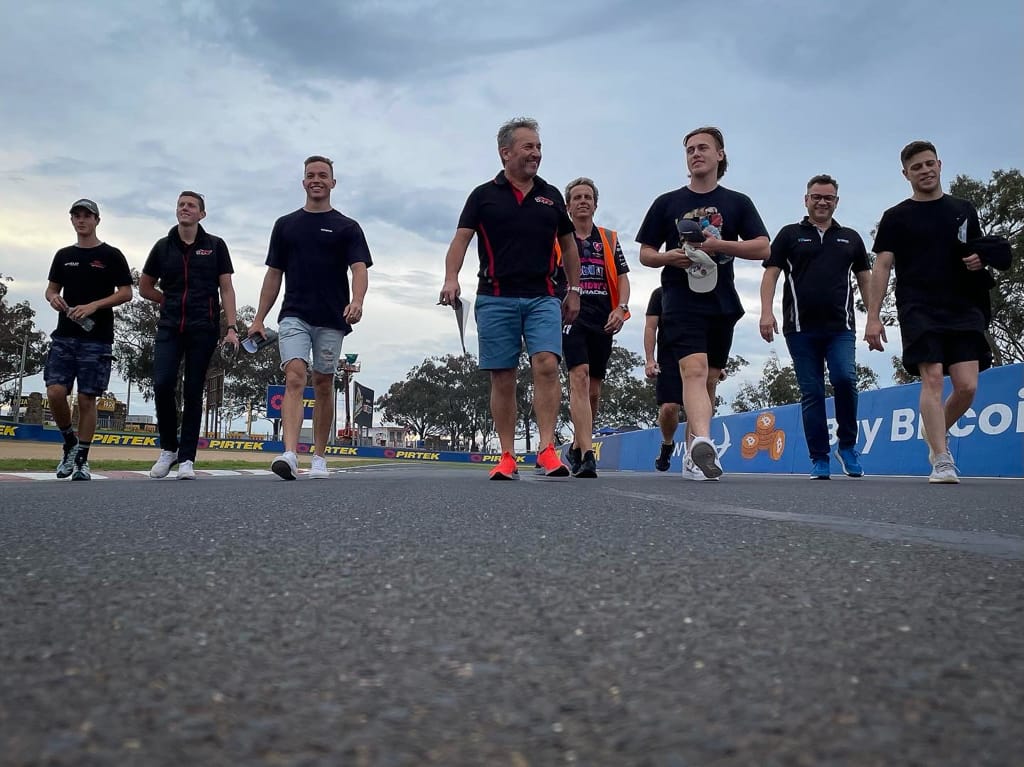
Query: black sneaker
<point x="587" y="466"/>
<point x="664" y="459"/>
<point x="575" y="457"/>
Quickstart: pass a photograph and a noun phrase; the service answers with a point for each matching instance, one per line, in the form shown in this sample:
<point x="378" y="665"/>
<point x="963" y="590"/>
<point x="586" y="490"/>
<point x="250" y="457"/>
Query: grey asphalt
<point x="424" y="616"/>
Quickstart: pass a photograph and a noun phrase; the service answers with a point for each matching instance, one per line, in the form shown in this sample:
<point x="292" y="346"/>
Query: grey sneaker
<point x="67" y="463"/>
<point x="81" y="472"/>
<point x="286" y="466"/>
<point x="931" y="453"/>
<point x="704" y="456"/>
<point x="690" y="471"/>
<point x="944" y="471"/>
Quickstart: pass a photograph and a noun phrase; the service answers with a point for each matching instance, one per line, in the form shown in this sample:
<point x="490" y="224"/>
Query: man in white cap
<point x="703" y="226"/>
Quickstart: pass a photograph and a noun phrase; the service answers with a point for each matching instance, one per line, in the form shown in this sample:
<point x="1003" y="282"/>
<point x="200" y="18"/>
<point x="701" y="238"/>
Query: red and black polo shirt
<point x="516" y="236"/>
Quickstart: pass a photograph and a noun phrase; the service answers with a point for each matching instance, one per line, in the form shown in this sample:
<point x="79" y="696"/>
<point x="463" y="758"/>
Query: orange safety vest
<point x="609" y="238"/>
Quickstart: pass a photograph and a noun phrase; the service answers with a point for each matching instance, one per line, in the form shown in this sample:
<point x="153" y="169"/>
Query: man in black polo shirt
<point x="700" y="303"/>
<point x="517" y="217"/>
<point x="817" y="256"/>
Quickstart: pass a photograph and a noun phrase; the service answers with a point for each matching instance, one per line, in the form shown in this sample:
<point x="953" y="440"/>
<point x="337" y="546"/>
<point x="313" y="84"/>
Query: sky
<point x="129" y="103"/>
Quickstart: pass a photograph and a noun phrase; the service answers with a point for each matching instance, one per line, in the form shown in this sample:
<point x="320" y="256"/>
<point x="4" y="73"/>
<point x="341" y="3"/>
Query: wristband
<point x="576" y="289"/>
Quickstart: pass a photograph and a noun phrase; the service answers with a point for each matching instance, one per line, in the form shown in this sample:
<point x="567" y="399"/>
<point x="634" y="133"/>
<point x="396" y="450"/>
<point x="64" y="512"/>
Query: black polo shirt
<point x="515" y="240"/>
<point x="818" y="295"/>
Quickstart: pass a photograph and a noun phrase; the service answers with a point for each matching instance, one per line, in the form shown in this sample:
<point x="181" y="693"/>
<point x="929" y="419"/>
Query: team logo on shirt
<point x="204" y="252"/>
<point x="98" y="265"/>
<point x="544" y="200"/>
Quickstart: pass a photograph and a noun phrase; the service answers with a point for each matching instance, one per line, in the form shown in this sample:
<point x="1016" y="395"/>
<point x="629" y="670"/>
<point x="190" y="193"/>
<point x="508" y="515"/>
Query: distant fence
<point x="987" y="442"/>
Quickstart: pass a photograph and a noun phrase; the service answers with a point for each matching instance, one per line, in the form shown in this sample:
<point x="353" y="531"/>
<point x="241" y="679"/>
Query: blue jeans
<point x="811" y="351"/>
<point x="196" y="347"/>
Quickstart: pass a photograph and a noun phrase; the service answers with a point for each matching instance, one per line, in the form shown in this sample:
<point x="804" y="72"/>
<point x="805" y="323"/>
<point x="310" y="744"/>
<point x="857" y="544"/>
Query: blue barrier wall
<point x="987" y="442"/>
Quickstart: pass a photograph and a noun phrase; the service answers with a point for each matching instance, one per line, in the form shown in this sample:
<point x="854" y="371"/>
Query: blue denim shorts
<point x="79" y="359"/>
<point x="297" y="340"/>
<point x="503" y="322"/>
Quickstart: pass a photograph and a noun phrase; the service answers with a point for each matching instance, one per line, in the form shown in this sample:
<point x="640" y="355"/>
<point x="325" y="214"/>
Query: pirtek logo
<point x="8" y="431"/>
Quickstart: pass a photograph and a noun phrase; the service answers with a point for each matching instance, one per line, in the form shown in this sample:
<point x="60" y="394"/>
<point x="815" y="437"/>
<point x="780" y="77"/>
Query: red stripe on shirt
<point x="490" y="260"/>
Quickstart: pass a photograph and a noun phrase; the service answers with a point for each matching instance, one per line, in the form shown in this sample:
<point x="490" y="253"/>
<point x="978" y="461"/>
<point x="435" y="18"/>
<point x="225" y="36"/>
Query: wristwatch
<point x="625" y="308"/>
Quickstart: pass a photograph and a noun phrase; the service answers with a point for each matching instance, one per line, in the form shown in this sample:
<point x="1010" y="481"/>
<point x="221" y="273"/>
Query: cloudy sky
<point x="128" y="103"/>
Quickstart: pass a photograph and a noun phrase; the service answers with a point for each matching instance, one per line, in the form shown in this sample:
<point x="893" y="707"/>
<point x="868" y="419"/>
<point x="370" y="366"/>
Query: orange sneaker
<point x="506" y="468"/>
<point x="550" y="464"/>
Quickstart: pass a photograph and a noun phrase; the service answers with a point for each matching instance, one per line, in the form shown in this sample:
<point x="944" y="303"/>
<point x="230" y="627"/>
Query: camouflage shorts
<point x="78" y="359"/>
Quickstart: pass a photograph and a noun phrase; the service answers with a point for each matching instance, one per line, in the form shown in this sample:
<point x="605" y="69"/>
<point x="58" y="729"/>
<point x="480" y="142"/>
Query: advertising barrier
<point x="987" y="442"/>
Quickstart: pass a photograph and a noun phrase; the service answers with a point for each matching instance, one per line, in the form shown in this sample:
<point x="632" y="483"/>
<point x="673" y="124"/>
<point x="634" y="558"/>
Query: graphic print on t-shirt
<point x="592" y="278"/>
<point x="701" y="275"/>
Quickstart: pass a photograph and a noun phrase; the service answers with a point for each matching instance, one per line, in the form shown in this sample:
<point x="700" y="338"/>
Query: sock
<point x="83" y="453"/>
<point x="70" y="440"/>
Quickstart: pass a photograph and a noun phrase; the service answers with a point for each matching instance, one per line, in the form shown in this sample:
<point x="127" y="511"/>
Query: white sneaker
<point x="319" y="468"/>
<point x="944" y="471"/>
<point x="705" y="457"/>
<point x="186" y="470"/>
<point x="163" y="464"/>
<point x="690" y="471"/>
<point x="286" y="466"/>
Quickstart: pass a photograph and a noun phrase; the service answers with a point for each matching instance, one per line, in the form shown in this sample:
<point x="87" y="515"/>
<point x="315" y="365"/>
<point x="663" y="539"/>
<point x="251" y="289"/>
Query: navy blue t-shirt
<point x="729" y="214"/>
<point x="315" y="250"/>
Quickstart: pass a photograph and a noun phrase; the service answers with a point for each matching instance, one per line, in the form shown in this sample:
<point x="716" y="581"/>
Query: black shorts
<point x="586" y="346"/>
<point x="710" y="334"/>
<point x="668" y="387"/>
<point x="948" y="347"/>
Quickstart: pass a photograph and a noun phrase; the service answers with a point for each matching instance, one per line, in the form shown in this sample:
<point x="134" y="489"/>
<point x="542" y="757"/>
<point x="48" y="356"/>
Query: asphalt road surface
<point x="424" y="616"/>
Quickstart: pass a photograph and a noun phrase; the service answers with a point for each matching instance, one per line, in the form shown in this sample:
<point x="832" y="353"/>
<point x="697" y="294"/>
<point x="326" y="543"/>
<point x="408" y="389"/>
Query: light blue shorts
<point x="297" y="340"/>
<point x="503" y="323"/>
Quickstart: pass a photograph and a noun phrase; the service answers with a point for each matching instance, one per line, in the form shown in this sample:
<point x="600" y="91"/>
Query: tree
<point x="134" y="340"/>
<point x="17" y="323"/>
<point x="626" y="399"/>
<point x="247" y="376"/>
<point x="778" y="386"/>
<point x="1000" y="205"/>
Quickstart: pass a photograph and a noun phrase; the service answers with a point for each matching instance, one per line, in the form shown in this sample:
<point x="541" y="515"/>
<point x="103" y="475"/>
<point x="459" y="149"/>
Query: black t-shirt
<point x="928" y="240"/>
<point x="818" y="295"/>
<point x="86" y="275"/>
<point x="515" y="240"/>
<point x="728" y="214"/>
<point x="595" y="300"/>
<point x="654" y="309"/>
<point x="315" y="250"/>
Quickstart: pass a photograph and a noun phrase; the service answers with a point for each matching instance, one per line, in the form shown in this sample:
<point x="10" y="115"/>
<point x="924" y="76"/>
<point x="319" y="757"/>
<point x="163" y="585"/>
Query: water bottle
<point x="254" y="343"/>
<point x="86" y="323"/>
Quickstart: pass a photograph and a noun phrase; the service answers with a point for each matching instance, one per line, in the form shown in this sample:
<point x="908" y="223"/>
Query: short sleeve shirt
<point x="516" y="238"/>
<point x="928" y="240"/>
<point x="595" y="299"/>
<point x="727" y="214"/>
<point x="315" y="252"/>
<point x="818" y="265"/>
<point x="86" y="275"/>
